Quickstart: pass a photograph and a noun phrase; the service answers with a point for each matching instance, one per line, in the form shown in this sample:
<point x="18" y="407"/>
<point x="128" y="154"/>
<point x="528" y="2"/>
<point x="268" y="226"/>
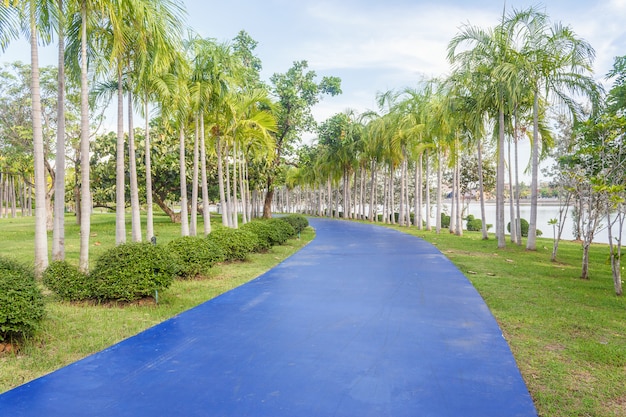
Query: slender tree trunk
<point x="205" y="185"/>
<point x="184" y="215"/>
<point x="148" y="159"/>
<point x="85" y="193"/>
<point x="481" y="191"/>
<point x="220" y="182"/>
<point x="452" y="227"/>
<point x="373" y="212"/>
<point x="134" y="187"/>
<point x="58" y="233"/>
<point x="235" y="209"/>
<point x="459" y="206"/>
<point x="41" y="237"/>
<point x="193" y="224"/>
<point x="500" y="185"/>
<point x="419" y="189"/>
<point x="120" y="172"/>
<point x="513" y="222"/>
<point x="518" y="218"/>
<point x="231" y="215"/>
<point x="531" y="241"/>
<point x="427" y="186"/>
<point x="439" y="183"/>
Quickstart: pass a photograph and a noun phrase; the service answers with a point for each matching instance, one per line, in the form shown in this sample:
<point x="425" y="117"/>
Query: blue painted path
<point x="364" y="321"/>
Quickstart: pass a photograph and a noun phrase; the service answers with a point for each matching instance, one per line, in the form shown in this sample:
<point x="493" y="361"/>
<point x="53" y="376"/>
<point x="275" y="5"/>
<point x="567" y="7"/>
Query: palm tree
<point x="554" y="61"/>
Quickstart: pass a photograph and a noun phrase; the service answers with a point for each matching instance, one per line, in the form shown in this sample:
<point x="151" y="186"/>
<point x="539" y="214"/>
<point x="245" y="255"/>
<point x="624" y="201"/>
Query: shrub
<point x="284" y="230"/>
<point x="524" y="226"/>
<point x="195" y="255"/>
<point x="445" y="220"/>
<point x="21" y="301"/>
<point x="474" y="224"/>
<point x="67" y="281"/>
<point x="132" y="271"/>
<point x="264" y="232"/>
<point x="297" y="221"/>
<point x="236" y="243"/>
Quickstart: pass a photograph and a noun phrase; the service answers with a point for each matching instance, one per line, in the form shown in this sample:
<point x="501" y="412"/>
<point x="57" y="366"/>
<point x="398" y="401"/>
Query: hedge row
<point x="135" y="270"/>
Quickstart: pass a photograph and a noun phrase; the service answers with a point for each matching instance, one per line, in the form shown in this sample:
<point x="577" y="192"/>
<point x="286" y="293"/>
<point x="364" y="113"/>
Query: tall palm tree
<point x="554" y="61"/>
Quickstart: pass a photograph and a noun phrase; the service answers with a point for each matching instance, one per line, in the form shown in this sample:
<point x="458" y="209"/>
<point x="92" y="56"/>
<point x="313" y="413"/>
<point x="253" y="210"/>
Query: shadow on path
<point x="364" y="321"/>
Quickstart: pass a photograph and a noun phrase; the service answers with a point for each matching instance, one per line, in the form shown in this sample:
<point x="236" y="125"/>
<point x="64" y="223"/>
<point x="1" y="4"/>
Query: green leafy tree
<point x="296" y="92"/>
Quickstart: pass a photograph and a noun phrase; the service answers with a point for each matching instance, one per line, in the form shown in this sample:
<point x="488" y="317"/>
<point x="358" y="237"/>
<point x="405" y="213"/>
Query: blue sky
<point x="376" y="45"/>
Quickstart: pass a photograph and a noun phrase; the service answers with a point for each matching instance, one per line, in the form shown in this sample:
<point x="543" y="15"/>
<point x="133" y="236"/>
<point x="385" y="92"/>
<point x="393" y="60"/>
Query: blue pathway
<point x="364" y="321"/>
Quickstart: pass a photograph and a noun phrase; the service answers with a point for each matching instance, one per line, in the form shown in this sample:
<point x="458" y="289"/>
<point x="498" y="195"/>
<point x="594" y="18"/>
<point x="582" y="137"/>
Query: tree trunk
<point x="41" y="237"/>
<point x="58" y="232"/>
<point x="531" y="241"/>
<point x="439" y="183"/>
<point x="419" y="189"/>
<point x="513" y="221"/>
<point x="149" y="204"/>
<point x="85" y="191"/>
<point x="427" y="185"/>
<point x="193" y="226"/>
<point x="500" y="227"/>
<point x="184" y="219"/>
<point x="134" y="187"/>
<point x="205" y="185"/>
<point x="120" y="172"/>
<point x="481" y="191"/>
<point x="220" y="182"/>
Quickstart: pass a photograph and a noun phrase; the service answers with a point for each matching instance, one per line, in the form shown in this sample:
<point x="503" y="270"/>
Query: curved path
<point x="364" y="321"/>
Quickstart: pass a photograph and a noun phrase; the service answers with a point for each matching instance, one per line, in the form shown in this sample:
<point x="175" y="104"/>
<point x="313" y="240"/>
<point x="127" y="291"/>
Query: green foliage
<point x="297" y="221"/>
<point x="132" y="271"/>
<point x="67" y="281"/>
<point x="235" y="243"/>
<point x="21" y="301"/>
<point x="195" y="255"/>
<point x="474" y="224"/>
<point x="524" y="225"/>
<point x="284" y="230"/>
<point x="445" y="220"/>
<point x="270" y="232"/>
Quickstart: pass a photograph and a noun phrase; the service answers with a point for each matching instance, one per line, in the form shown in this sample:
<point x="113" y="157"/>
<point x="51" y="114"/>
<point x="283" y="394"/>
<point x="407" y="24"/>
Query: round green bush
<point x="21" y="301"/>
<point x="474" y="224"/>
<point x="132" y="271"/>
<point x="67" y="281"/>
<point x="445" y="220"/>
<point x="297" y="221"/>
<point x="264" y="233"/>
<point x="523" y="224"/>
<point x="284" y="230"/>
<point x="195" y="255"/>
<point x="236" y="243"/>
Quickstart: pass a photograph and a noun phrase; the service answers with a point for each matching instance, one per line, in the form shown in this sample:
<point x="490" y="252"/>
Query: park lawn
<point x="72" y="331"/>
<point x="568" y="335"/>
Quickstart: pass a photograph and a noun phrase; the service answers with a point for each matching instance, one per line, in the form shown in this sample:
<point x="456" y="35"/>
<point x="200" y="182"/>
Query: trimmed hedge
<point x="21" y="301"/>
<point x="196" y="255"/>
<point x="297" y="221"/>
<point x="132" y="271"/>
<point x="67" y="281"/>
<point x="236" y="243"/>
<point x="264" y="232"/>
<point x="283" y="229"/>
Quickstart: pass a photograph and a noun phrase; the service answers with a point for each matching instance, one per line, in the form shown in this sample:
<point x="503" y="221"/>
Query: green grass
<point x="72" y="331"/>
<point x="568" y="335"/>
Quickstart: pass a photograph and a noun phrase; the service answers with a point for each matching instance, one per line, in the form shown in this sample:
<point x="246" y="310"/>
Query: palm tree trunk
<point x="205" y="185"/>
<point x="531" y="241"/>
<point x="235" y="209"/>
<point x="220" y="182"/>
<point x="512" y="222"/>
<point x="193" y="224"/>
<point x="58" y="232"/>
<point x="500" y="184"/>
<point x="518" y="216"/>
<point x="372" y="209"/>
<point x="149" y="204"/>
<point x="184" y="215"/>
<point x="41" y="238"/>
<point x="134" y="188"/>
<point x="427" y="186"/>
<point x="120" y="172"/>
<point x="419" y="187"/>
<point x="481" y="191"/>
<point x="85" y="194"/>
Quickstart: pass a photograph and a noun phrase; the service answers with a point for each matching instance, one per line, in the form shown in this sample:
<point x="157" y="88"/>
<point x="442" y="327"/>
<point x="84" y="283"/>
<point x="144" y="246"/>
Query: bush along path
<point x="364" y="321"/>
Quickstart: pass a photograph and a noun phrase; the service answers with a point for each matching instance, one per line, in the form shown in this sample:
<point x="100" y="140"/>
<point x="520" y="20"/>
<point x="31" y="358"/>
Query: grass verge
<point x="72" y="331"/>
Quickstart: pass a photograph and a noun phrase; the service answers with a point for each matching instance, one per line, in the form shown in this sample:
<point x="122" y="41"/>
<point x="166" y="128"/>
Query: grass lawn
<point x="72" y="331"/>
<point x="568" y="335"/>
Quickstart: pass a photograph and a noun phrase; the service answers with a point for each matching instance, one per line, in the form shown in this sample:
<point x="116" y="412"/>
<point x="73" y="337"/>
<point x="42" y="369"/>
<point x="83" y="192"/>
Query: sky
<point x="376" y="46"/>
